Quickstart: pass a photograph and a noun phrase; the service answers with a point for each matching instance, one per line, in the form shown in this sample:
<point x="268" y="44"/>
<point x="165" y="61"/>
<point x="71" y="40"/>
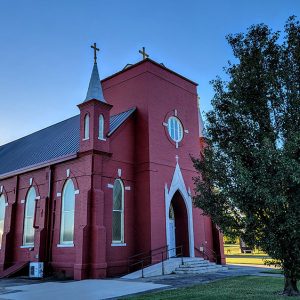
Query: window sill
<point x="26" y="246"/>
<point x="118" y="244"/>
<point x="101" y="139"/>
<point x="65" y="245"/>
<point x="86" y="139"/>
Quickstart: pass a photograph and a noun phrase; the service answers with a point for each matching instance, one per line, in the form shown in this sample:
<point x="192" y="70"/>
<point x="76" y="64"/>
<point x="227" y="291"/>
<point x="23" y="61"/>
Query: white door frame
<point x="178" y="185"/>
<point x="172" y="251"/>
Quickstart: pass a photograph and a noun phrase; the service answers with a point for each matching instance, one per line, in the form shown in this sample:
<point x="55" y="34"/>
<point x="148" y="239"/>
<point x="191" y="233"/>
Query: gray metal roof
<point x="95" y="87"/>
<point x="52" y="143"/>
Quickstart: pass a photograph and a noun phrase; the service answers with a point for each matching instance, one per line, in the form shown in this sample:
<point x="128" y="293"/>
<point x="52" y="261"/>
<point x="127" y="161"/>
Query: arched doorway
<point x="180" y="196"/>
<point x="178" y="226"/>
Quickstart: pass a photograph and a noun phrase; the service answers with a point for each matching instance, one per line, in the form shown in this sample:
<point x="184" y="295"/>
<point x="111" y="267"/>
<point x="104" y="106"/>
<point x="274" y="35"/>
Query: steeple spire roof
<point x="95" y="87"/>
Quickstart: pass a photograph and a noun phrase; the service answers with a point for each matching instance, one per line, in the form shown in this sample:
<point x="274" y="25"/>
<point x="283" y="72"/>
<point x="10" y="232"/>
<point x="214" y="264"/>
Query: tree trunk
<point x="290" y="287"/>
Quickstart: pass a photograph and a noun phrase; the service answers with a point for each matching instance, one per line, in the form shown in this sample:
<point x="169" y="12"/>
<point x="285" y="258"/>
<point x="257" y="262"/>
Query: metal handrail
<point x="147" y="252"/>
<point x="202" y="253"/>
<point x="208" y="252"/>
<point x="214" y="254"/>
<point x="142" y="261"/>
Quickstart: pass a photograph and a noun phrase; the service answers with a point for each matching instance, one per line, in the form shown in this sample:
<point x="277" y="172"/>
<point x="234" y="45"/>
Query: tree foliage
<point x="249" y="178"/>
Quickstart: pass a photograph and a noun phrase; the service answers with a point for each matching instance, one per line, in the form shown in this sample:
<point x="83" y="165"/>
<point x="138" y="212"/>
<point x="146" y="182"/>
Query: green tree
<point x="249" y="178"/>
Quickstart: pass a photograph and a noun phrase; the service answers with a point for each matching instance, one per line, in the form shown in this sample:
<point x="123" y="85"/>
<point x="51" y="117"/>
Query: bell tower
<point x="94" y="114"/>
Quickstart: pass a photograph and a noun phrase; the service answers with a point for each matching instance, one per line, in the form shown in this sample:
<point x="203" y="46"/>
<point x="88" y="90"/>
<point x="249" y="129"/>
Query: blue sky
<point x="45" y="59"/>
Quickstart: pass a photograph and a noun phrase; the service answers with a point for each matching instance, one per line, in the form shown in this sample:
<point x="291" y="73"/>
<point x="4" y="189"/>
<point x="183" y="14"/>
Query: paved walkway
<point x="178" y="281"/>
<point x="181" y="281"/>
<point x="22" y="289"/>
<point x="76" y="290"/>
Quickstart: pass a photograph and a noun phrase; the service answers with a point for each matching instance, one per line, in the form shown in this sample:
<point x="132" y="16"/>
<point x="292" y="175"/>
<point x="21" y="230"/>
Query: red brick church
<point x="85" y="194"/>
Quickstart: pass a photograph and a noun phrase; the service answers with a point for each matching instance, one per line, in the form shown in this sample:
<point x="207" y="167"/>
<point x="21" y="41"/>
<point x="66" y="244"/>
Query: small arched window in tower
<point x="2" y="217"/>
<point x="101" y="127"/>
<point x="86" y="127"/>
<point x="28" y="232"/>
<point x="67" y="214"/>
<point x="118" y="212"/>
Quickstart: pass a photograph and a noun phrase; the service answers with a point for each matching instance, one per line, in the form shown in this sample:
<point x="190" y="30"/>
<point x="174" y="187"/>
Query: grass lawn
<point x="244" y="260"/>
<point x="244" y="288"/>
<point x="234" y="256"/>
<point x="234" y="249"/>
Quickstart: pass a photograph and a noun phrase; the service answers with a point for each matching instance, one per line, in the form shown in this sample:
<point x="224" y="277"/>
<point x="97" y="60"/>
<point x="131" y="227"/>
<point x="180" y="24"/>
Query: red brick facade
<point x="142" y="154"/>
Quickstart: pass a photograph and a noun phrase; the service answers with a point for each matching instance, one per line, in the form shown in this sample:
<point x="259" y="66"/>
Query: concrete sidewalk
<point x="96" y="289"/>
<point x="77" y="290"/>
<point x="186" y="280"/>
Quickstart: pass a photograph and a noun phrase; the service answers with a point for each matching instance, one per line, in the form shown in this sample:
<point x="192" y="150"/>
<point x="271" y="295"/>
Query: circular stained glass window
<point x="175" y="129"/>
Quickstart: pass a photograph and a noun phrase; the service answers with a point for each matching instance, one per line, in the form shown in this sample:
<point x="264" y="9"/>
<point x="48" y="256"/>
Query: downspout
<point x="9" y="256"/>
<point x="48" y="214"/>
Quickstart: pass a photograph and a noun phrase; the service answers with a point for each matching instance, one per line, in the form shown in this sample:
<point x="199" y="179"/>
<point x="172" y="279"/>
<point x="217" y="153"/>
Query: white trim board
<point x="178" y="185"/>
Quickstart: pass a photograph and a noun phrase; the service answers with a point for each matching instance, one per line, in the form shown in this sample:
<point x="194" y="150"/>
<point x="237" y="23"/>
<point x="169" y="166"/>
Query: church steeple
<point x="94" y="115"/>
<point x="95" y="87"/>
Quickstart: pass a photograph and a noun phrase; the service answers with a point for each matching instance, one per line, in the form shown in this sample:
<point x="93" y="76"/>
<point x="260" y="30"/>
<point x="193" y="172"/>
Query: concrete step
<point x="195" y="271"/>
<point x="200" y="271"/>
<point x="193" y="259"/>
<point x="196" y="268"/>
<point x="200" y="263"/>
<point x="190" y="265"/>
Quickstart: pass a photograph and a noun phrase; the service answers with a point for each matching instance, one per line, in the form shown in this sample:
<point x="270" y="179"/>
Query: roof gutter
<point x="38" y="166"/>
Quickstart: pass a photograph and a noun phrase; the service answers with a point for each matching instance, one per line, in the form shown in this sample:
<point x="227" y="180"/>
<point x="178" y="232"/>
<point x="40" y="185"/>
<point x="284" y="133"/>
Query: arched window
<point x="28" y="232"/>
<point x="101" y="127"/>
<point x="2" y="217"/>
<point x="86" y="127"/>
<point x="118" y="212"/>
<point x="67" y="213"/>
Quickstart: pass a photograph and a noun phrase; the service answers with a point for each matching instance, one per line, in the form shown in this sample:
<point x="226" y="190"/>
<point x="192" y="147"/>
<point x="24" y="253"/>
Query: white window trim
<point x="5" y="205"/>
<point x="70" y="245"/>
<point x="176" y="125"/>
<point x="122" y="241"/>
<point x="61" y="242"/>
<point x="115" y="244"/>
<point x="86" y="129"/>
<point x="101" y="130"/>
<point x="28" y="245"/>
